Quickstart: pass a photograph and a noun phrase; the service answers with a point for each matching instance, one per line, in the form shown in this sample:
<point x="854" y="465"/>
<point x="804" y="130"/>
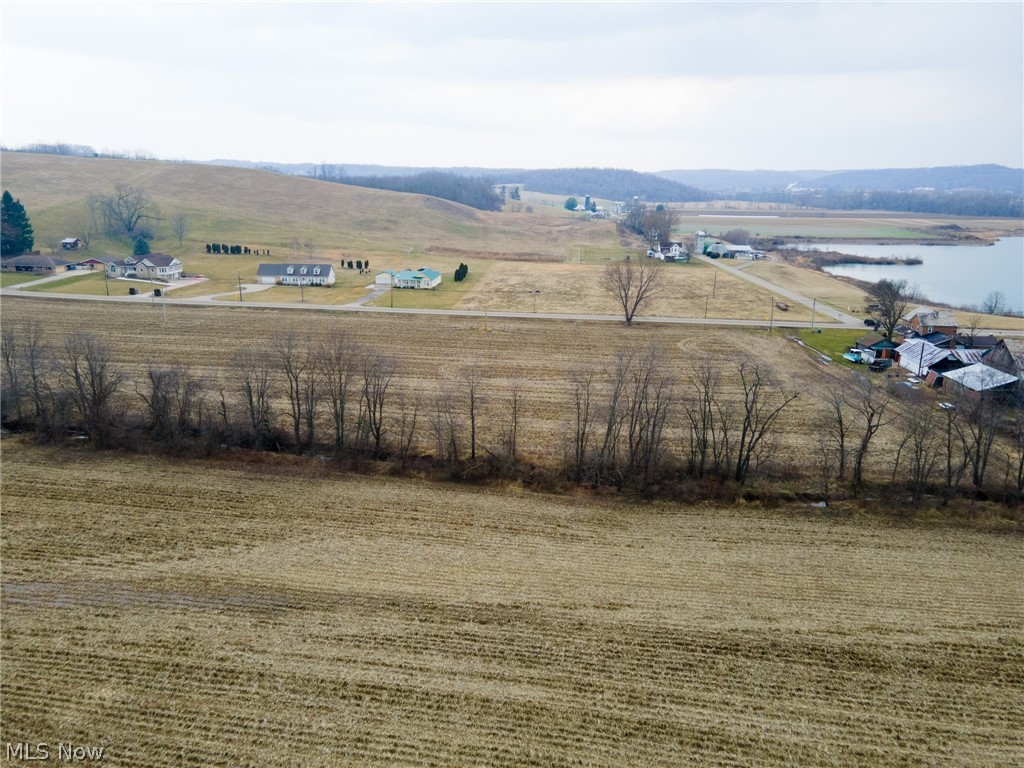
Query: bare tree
<point x="12" y="354"/>
<point x="408" y="412"/>
<point x="889" y="300"/>
<point x="977" y="423"/>
<point x="126" y="209"/>
<point x="648" y="402"/>
<point x="181" y="225"/>
<point x="763" y="402"/>
<point x="633" y="283"/>
<point x="301" y="364"/>
<point x="471" y="378"/>
<point x="838" y="421"/>
<point x="583" y="418"/>
<point x="869" y="405"/>
<point x="994" y="303"/>
<point x="339" y="357"/>
<point x="377" y="373"/>
<point x="711" y="419"/>
<point x="255" y="381"/>
<point x="93" y="381"/>
<point x="1017" y="449"/>
<point x="919" y="449"/>
<point x="826" y="461"/>
<point x="174" y="401"/>
<point x="446" y="426"/>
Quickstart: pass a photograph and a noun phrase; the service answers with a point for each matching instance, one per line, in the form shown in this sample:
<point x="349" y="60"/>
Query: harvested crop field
<point x="274" y="612"/>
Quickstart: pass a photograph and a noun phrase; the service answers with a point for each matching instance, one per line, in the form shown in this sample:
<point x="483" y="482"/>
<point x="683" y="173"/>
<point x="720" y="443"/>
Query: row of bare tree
<point x="632" y="423"/>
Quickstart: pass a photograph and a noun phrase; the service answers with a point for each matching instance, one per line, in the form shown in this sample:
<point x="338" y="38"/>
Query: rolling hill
<point x="260" y="208"/>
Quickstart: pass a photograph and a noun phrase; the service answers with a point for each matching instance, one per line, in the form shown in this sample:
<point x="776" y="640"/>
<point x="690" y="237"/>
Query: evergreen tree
<point x="17" y="235"/>
<point x="141" y="247"/>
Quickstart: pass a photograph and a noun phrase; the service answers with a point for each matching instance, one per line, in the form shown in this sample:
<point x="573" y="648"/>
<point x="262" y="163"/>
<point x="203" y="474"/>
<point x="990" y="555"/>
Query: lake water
<point x="961" y="275"/>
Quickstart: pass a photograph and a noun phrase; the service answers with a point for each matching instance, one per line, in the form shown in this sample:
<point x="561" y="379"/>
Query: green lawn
<point x="16" y="278"/>
<point x="90" y="284"/>
<point x="834" y="342"/>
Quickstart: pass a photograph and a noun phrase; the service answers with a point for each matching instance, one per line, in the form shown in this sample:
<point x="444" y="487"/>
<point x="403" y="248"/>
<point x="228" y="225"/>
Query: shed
<point x="71" y="243"/>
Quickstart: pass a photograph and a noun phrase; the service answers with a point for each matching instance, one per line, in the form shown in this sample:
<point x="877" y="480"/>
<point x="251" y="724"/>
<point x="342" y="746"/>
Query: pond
<point x="960" y="275"/>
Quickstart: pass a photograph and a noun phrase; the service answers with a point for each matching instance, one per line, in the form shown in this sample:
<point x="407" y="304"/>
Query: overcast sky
<point x="646" y="86"/>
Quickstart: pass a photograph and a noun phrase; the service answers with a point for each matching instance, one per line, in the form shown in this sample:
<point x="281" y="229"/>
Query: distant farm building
<point x="71" y="244"/>
<point x="295" y="274"/>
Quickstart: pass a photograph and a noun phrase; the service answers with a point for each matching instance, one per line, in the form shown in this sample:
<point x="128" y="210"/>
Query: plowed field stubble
<point x="211" y="613"/>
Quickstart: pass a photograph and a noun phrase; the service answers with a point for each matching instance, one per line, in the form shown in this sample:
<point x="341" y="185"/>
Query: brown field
<point x="432" y="350"/>
<point x="812" y="284"/>
<point x="277" y="613"/>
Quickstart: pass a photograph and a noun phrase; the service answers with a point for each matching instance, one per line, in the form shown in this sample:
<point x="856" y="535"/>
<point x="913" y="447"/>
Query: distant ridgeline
<point x="478" y="191"/>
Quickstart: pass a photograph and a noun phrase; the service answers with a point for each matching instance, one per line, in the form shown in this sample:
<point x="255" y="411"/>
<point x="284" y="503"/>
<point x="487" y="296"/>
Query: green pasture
<point x="834" y="342"/>
<point x="17" y="278"/>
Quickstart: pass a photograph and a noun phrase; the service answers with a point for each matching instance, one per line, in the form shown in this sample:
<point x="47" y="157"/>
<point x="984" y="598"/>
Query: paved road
<point x="846" y="321"/>
<point x="835" y="314"/>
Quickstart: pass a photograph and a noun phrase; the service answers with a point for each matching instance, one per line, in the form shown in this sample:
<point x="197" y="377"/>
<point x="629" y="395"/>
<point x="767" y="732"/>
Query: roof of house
<point x="281" y="270"/>
<point x="980" y="377"/>
<point x="968" y="356"/>
<point x="931" y="316"/>
<point x="36" y="260"/>
<point x="418" y="274"/>
<point x="100" y="259"/>
<point x="156" y="260"/>
<point x="978" y="341"/>
<point x="937" y="338"/>
<point x="918" y="354"/>
<point x="875" y="339"/>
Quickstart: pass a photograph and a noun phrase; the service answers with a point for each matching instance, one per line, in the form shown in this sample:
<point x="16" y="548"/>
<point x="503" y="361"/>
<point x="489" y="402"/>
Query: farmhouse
<point x="36" y="264"/>
<point x="153" y="266"/>
<point x="71" y="244"/>
<point x="925" y="320"/>
<point x="295" y="274"/>
<point x="424" y="277"/>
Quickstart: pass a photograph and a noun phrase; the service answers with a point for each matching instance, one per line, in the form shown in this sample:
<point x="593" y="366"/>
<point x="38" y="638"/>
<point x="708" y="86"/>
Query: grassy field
<point x="16" y="278"/>
<point x="274" y="613"/>
<point x="813" y="284"/>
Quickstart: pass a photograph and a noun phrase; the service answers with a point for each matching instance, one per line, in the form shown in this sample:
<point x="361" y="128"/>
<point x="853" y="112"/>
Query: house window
<point x="291" y="270"/>
<point x="303" y="270"/>
<point x="316" y="270"/>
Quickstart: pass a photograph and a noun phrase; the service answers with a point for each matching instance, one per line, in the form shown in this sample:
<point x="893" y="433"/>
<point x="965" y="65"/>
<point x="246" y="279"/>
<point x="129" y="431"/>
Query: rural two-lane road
<point x="840" y="319"/>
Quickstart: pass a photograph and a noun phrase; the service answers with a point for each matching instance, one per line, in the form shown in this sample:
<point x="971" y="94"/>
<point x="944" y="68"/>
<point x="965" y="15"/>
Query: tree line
<point x="476" y="192"/>
<point x="628" y="422"/>
<point x="961" y="203"/>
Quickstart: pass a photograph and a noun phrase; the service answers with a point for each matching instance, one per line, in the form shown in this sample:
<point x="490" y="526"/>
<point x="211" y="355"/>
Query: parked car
<point x="871" y="323"/>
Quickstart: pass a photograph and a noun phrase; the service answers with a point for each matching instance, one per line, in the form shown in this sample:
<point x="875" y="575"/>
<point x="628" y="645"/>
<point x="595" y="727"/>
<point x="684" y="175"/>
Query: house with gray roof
<point x="36" y="264"/>
<point x="152" y="266"/>
<point x="295" y="274"/>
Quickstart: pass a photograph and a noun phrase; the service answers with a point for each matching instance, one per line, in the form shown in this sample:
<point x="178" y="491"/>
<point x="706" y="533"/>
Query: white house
<point x="71" y="243"/>
<point x="424" y="277"/>
<point x="295" y="274"/>
<point x="152" y="266"/>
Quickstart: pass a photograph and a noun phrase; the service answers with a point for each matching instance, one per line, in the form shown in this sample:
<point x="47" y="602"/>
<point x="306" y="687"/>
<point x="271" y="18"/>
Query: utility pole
<point x="814" y="304"/>
<point x="706" y="297"/>
<point x="771" y="316"/>
<point x="239" y="274"/>
<point x="714" y="285"/>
